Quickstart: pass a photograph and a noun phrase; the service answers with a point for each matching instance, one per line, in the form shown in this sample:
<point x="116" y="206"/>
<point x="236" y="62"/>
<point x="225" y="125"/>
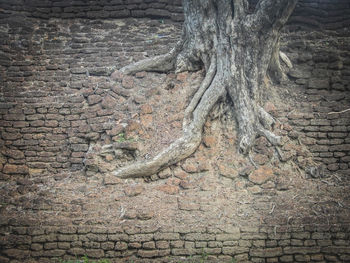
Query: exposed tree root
<point x="225" y="39"/>
<point x="184" y="146"/>
<point x="161" y="63"/>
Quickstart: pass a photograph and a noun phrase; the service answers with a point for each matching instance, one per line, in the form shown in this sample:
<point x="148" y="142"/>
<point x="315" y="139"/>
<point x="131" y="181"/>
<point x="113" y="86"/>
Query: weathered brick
<point x="301" y="250"/>
<point x="141" y="237"/>
<point x="226" y="237"/>
<point x="199" y="236"/>
<point x="15" y="169"/>
<point x="147" y="253"/>
<point x="95" y="253"/>
<point x="234" y="250"/>
<point x="166" y="236"/>
<point x="266" y="252"/>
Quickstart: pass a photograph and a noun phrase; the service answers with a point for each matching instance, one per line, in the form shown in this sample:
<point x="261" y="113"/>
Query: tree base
<point x="212" y="39"/>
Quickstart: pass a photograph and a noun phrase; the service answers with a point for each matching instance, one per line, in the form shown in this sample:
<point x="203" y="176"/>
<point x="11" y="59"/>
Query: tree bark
<point x="236" y="48"/>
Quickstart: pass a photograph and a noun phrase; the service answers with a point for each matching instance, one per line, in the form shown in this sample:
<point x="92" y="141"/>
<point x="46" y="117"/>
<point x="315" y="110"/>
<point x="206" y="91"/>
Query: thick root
<point x="250" y="130"/>
<point x="182" y="147"/>
<point x="198" y="95"/>
<point x="161" y="63"/>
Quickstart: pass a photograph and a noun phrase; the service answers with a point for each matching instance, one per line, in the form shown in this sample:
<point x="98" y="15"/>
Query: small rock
<point x="111" y="179"/>
<point x="15" y="169"/>
<point x="209" y="141"/>
<point x="190" y="166"/>
<point x="140" y="75"/>
<point x="182" y="76"/>
<point x="254" y="189"/>
<point x="128" y="82"/>
<point x="130" y="146"/>
<point x="270" y="107"/>
<point x="15" y="154"/>
<point x="227" y="171"/>
<point x="168" y="189"/>
<point x="246" y="171"/>
<point x="146" y="109"/>
<point x="260" y="159"/>
<point x="146" y="120"/>
<point x="117" y="75"/>
<point x="145" y="215"/>
<point x="94" y="99"/>
<point x="130" y="215"/>
<point x="181" y="174"/>
<point x="109" y="102"/>
<point x="164" y="173"/>
<point x="261" y="175"/>
<point x="134" y="190"/>
<point x="186" y="184"/>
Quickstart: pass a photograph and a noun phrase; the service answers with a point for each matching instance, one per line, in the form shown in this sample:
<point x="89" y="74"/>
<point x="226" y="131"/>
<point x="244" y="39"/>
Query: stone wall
<point x="60" y="108"/>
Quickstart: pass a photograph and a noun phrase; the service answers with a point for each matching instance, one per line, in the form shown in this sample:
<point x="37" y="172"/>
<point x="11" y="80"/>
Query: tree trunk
<point x="235" y="48"/>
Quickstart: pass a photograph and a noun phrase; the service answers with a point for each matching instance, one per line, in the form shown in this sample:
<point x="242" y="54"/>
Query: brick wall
<point x="58" y="104"/>
<point x="97" y="9"/>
